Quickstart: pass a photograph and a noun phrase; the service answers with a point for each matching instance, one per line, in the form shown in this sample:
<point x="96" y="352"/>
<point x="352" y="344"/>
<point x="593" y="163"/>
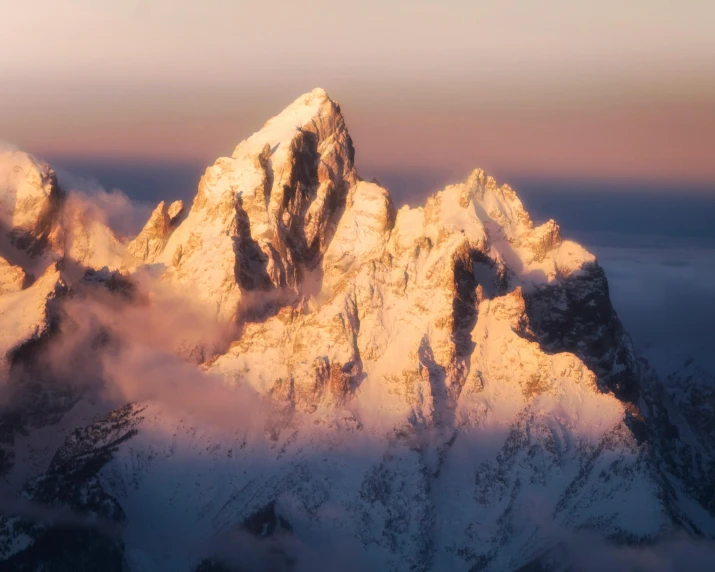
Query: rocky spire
<point x="150" y="242"/>
<point x="263" y="217"/>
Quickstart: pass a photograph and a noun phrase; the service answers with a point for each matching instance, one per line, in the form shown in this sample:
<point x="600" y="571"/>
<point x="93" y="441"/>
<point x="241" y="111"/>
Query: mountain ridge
<point x="407" y="382"/>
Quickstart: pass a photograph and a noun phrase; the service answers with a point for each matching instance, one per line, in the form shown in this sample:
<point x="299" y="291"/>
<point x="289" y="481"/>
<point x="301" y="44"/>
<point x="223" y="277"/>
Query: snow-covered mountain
<point x="294" y="374"/>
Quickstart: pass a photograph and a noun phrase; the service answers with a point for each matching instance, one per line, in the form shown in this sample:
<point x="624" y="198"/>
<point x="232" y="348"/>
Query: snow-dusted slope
<point x="26" y="315"/>
<point x="437" y="388"/>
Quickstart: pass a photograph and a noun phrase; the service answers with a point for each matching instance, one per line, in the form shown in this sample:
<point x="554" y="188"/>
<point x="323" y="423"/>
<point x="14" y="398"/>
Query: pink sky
<point x="554" y="89"/>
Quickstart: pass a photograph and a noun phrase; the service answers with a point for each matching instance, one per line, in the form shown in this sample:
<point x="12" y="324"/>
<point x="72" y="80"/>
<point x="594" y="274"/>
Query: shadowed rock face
<point x="404" y="383"/>
<point x="576" y="315"/>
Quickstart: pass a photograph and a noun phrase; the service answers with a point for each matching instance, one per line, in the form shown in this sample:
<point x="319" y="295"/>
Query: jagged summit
<point x="311" y="107"/>
<point x="264" y="216"/>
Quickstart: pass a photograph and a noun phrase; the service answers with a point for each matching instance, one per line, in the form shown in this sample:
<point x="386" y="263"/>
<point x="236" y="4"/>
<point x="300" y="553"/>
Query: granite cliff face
<point x="437" y="388"/>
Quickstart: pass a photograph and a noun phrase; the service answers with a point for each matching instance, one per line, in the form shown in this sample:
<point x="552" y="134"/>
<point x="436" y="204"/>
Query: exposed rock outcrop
<point x="146" y="247"/>
<point x="27" y="316"/>
<point x="12" y="278"/>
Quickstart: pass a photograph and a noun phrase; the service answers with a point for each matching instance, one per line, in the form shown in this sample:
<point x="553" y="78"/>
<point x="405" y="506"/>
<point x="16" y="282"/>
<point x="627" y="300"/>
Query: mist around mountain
<point x="289" y="372"/>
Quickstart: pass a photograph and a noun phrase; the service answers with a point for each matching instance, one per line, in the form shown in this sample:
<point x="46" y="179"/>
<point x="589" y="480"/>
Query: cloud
<point x="664" y="299"/>
<point x="112" y="208"/>
<point x="147" y="347"/>
<point x="283" y="550"/>
<point x="586" y="551"/>
<point x="676" y="263"/>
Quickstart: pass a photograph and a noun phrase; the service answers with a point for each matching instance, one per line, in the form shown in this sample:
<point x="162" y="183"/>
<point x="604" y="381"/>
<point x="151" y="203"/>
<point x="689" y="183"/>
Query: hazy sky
<point x="616" y="89"/>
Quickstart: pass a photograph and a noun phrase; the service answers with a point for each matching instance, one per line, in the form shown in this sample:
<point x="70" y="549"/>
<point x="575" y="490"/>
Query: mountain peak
<point x="267" y="213"/>
<point x="308" y="109"/>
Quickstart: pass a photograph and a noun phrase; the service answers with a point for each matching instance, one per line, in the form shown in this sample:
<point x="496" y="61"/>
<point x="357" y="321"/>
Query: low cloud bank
<point x="664" y="296"/>
<point x="585" y="551"/>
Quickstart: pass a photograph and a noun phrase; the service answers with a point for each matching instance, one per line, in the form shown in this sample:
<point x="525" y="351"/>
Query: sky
<point x="549" y="89"/>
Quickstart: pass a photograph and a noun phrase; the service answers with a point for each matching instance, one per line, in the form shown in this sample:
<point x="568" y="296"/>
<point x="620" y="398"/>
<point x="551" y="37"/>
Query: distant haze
<point x="598" y="90"/>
